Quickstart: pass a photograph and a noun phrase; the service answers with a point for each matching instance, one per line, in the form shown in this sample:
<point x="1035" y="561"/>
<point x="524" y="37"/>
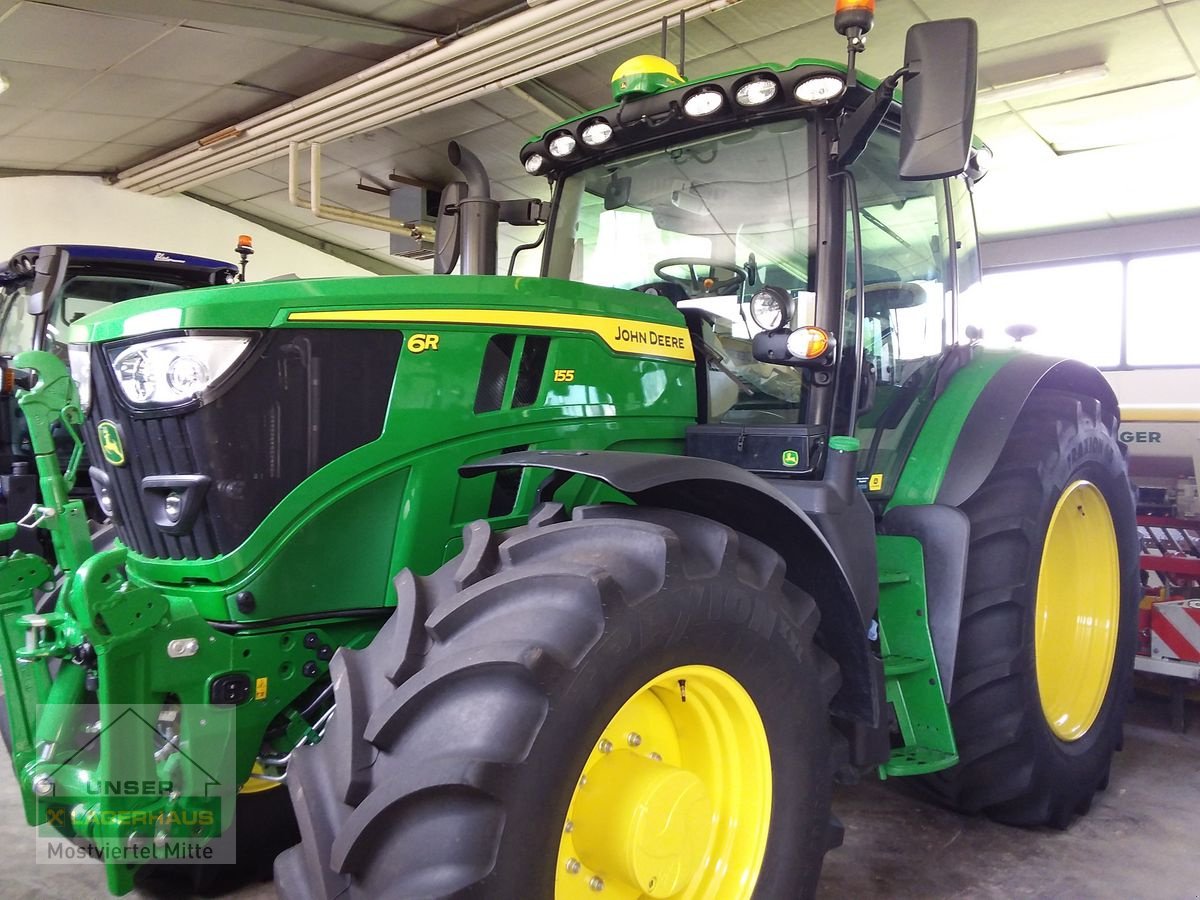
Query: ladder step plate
<point x="918" y="761"/>
<point x="895" y="664"/>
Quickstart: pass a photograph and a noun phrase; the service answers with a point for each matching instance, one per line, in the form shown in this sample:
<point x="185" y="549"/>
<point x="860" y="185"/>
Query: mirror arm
<point x="856" y="128"/>
<point x="524" y="212"/>
<point x="520" y="248"/>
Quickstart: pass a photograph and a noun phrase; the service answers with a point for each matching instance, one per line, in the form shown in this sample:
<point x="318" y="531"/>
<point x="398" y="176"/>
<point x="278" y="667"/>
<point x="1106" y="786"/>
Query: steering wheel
<point x="722" y="277"/>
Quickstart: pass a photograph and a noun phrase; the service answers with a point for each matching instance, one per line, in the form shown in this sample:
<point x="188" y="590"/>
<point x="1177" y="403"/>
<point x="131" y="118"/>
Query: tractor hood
<point x="462" y="299"/>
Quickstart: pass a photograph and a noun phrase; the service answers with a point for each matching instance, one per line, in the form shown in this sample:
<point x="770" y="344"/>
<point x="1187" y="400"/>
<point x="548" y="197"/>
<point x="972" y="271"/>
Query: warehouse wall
<point x="81" y="210"/>
<point x="1115" y="240"/>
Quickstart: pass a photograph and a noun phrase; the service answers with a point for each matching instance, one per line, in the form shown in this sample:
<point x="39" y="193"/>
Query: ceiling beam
<point x="271" y="15"/>
<point x="355" y="257"/>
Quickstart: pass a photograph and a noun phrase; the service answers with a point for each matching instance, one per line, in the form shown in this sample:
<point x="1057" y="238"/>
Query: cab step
<point x="896" y="664"/>
<point x="918" y="761"/>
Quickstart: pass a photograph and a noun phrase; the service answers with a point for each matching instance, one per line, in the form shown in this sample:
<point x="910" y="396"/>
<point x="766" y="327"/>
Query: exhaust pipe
<point x="478" y="214"/>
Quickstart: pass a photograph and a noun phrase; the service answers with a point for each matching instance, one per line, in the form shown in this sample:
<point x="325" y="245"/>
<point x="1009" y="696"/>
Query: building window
<point x="1163" y="317"/>
<point x="1075" y="307"/>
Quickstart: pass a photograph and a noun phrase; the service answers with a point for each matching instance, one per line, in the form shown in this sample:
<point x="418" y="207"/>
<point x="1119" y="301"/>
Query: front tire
<point x="469" y="734"/>
<point x="1046" y="646"/>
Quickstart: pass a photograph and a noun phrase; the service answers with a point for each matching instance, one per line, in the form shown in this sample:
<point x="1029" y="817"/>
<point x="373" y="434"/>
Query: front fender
<point x="970" y="422"/>
<point x="752" y="506"/>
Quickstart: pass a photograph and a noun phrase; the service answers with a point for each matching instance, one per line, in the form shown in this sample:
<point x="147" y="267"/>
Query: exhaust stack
<point x="478" y="214"/>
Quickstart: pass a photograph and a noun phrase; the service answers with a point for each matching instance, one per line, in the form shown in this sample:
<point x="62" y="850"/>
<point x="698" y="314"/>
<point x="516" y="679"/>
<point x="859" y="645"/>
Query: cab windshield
<point x="703" y="223"/>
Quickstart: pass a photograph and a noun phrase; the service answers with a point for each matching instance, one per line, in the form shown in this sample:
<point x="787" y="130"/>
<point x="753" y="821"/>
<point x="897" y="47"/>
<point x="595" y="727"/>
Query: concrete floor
<point x="1139" y="841"/>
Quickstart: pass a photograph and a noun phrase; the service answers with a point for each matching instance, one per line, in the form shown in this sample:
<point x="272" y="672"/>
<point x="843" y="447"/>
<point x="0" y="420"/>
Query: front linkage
<point x="122" y="741"/>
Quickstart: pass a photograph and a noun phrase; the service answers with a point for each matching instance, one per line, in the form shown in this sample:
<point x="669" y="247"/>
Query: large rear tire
<point x="576" y="705"/>
<point x="1048" y="635"/>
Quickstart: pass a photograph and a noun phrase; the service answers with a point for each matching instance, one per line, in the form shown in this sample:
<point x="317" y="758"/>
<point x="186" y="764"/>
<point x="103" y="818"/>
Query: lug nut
<point x="634" y="739"/>
<point x="596" y="883"/>
<point x="573" y="866"/>
<point x="569" y="827"/>
<point x="657" y="757"/>
<point x="160" y="839"/>
<point x="606" y="746"/>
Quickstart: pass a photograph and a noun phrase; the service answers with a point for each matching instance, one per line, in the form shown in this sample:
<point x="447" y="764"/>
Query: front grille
<point x="306" y="397"/>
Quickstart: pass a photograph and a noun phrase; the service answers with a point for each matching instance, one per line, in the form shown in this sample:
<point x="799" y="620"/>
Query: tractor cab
<point x="778" y="209"/>
<point x="75" y="280"/>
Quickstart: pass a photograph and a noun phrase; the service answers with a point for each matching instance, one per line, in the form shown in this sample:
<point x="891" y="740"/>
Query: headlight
<point x="757" y="91"/>
<point x="770" y="308"/>
<point x="820" y="89"/>
<point x="703" y="102"/>
<point x="170" y="371"/>
<point x="534" y="163"/>
<point x="81" y="373"/>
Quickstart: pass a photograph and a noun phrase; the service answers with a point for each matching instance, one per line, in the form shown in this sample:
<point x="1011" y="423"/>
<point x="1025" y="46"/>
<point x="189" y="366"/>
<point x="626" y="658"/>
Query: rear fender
<point x="751" y="505"/>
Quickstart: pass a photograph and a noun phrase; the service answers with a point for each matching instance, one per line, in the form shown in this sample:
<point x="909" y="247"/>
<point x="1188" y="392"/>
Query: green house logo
<point x="791" y="458"/>
<point x="110" y="442"/>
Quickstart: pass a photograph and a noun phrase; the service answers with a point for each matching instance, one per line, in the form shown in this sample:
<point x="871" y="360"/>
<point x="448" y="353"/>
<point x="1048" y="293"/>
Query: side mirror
<point x="939" y="98"/>
<point x="49" y="275"/>
<point x="447" y="247"/>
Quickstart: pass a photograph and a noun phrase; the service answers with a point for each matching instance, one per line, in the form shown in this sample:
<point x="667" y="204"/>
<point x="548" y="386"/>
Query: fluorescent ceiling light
<point x="3" y="83"/>
<point x="1042" y="84"/>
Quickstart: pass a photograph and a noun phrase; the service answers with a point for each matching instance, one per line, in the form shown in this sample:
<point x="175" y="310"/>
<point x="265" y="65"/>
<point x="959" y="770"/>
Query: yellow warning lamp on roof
<point x="853" y="19"/>
<point x="245" y="249"/>
<point x="644" y="74"/>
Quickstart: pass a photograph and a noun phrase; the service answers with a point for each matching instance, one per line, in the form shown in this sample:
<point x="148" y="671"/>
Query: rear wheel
<point x="1045" y="654"/>
<point x="629" y="702"/>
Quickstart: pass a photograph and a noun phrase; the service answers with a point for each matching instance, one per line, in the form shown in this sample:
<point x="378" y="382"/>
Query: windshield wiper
<point x="874" y="220"/>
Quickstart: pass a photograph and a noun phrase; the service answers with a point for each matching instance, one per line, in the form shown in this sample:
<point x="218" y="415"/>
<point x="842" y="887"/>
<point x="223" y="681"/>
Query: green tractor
<point x="589" y="583"/>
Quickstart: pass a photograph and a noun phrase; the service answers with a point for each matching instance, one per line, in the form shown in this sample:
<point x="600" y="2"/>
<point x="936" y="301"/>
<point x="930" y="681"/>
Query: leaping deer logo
<point x="110" y="442"/>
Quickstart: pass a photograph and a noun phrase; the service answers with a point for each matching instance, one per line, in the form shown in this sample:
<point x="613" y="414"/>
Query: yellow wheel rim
<point x="256" y="785"/>
<point x="675" y="797"/>
<point x="1078" y="605"/>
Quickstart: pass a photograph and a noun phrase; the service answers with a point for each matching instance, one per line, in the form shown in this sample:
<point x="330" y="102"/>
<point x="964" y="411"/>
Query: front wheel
<point x="1046" y="646"/>
<point x="628" y="702"/>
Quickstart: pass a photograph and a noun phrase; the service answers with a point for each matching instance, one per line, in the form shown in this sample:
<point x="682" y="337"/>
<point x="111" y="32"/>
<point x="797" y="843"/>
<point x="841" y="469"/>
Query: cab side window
<point x="905" y="245"/>
<point x="908" y="296"/>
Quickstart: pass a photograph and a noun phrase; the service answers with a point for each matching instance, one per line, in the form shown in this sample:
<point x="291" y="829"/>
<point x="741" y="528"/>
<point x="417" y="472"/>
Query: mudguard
<point x="988" y="425"/>
<point x="753" y="506"/>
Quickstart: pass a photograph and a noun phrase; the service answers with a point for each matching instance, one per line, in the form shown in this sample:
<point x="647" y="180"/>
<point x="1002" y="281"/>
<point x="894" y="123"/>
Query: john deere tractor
<point x="589" y="583"/>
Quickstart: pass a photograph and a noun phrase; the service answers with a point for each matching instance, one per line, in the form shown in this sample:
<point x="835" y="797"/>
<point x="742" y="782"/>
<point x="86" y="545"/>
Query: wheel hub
<point x="647" y="822"/>
<point x="674" y="799"/>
